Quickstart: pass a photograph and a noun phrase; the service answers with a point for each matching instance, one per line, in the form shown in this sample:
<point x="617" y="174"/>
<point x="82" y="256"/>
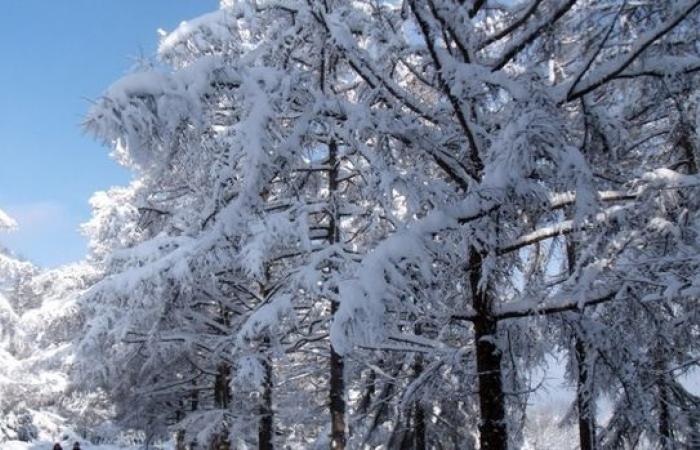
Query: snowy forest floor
<point x="547" y="426"/>
<point x="544" y="431"/>
<point x="43" y="445"/>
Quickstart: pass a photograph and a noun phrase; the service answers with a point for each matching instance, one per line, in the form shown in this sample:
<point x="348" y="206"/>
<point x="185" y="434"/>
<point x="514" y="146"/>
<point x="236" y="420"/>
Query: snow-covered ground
<point x="51" y="428"/>
<point x="43" y="445"/>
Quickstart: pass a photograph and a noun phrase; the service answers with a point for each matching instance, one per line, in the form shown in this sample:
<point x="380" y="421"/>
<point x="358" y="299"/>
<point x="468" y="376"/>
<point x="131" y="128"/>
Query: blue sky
<point x="55" y="56"/>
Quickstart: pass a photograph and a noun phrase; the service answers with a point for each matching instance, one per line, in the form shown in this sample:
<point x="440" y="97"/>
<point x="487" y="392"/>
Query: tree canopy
<point x="374" y="224"/>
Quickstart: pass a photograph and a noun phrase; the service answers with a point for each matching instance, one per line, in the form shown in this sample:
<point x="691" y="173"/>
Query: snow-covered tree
<point x="39" y="323"/>
<point x="371" y="223"/>
<point x="12" y="336"/>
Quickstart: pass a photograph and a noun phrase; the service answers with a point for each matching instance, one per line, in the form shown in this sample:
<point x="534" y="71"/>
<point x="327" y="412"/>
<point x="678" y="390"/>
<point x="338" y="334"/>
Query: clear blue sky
<point x="56" y="55"/>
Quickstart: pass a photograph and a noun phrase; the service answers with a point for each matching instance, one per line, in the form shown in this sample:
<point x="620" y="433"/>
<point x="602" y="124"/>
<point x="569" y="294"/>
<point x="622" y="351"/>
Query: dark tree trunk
<point x="222" y="388"/>
<point x="337" y="365"/>
<point x="419" y="426"/>
<point x="586" y="417"/>
<point x="584" y="401"/>
<point x="180" y="443"/>
<point x="419" y="430"/>
<point x="337" y="396"/>
<point x="665" y="432"/>
<point x="685" y="141"/>
<point x="195" y="406"/>
<point x="194" y="399"/>
<point x="493" y="432"/>
<point x="222" y="396"/>
<point x="180" y="440"/>
<point x="694" y="425"/>
<point x="266" y="427"/>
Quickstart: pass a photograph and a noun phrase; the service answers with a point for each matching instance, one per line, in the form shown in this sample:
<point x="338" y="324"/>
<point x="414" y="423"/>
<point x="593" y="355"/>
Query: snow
<point x="214" y="26"/>
<point x="7" y="223"/>
<point x="281" y="213"/>
<point x="615" y="66"/>
<point x="67" y="445"/>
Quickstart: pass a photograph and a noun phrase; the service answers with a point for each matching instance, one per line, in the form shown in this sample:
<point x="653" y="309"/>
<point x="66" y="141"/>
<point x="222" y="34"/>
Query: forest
<point x="380" y="224"/>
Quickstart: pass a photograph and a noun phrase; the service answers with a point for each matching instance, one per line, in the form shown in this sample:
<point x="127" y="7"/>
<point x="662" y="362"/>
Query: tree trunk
<point x="180" y="443"/>
<point x="694" y="425"/>
<point x="222" y="396"/>
<point x="493" y="432"/>
<point x="266" y="427"/>
<point x="586" y="417"/>
<point x="419" y="426"/>
<point x="180" y="440"/>
<point x="584" y="403"/>
<point x="686" y="143"/>
<point x="194" y="398"/>
<point x="664" y="414"/>
<point x="418" y="413"/>
<point x="337" y="396"/>
<point x="337" y="381"/>
<point x="195" y="406"/>
<point x="222" y="388"/>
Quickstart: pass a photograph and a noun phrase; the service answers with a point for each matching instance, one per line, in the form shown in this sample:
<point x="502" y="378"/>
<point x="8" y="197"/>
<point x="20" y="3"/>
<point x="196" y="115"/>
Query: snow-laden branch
<point x="7" y="223"/>
<point x="517" y="23"/>
<point x="544" y="233"/>
<point x="661" y="66"/>
<point x="362" y="296"/>
<point x="531" y="34"/>
<point x="359" y="61"/>
<point x="610" y="70"/>
<point x="564" y="199"/>
<point x="526" y="308"/>
<point x="477" y="165"/>
<point x="660" y="179"/>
